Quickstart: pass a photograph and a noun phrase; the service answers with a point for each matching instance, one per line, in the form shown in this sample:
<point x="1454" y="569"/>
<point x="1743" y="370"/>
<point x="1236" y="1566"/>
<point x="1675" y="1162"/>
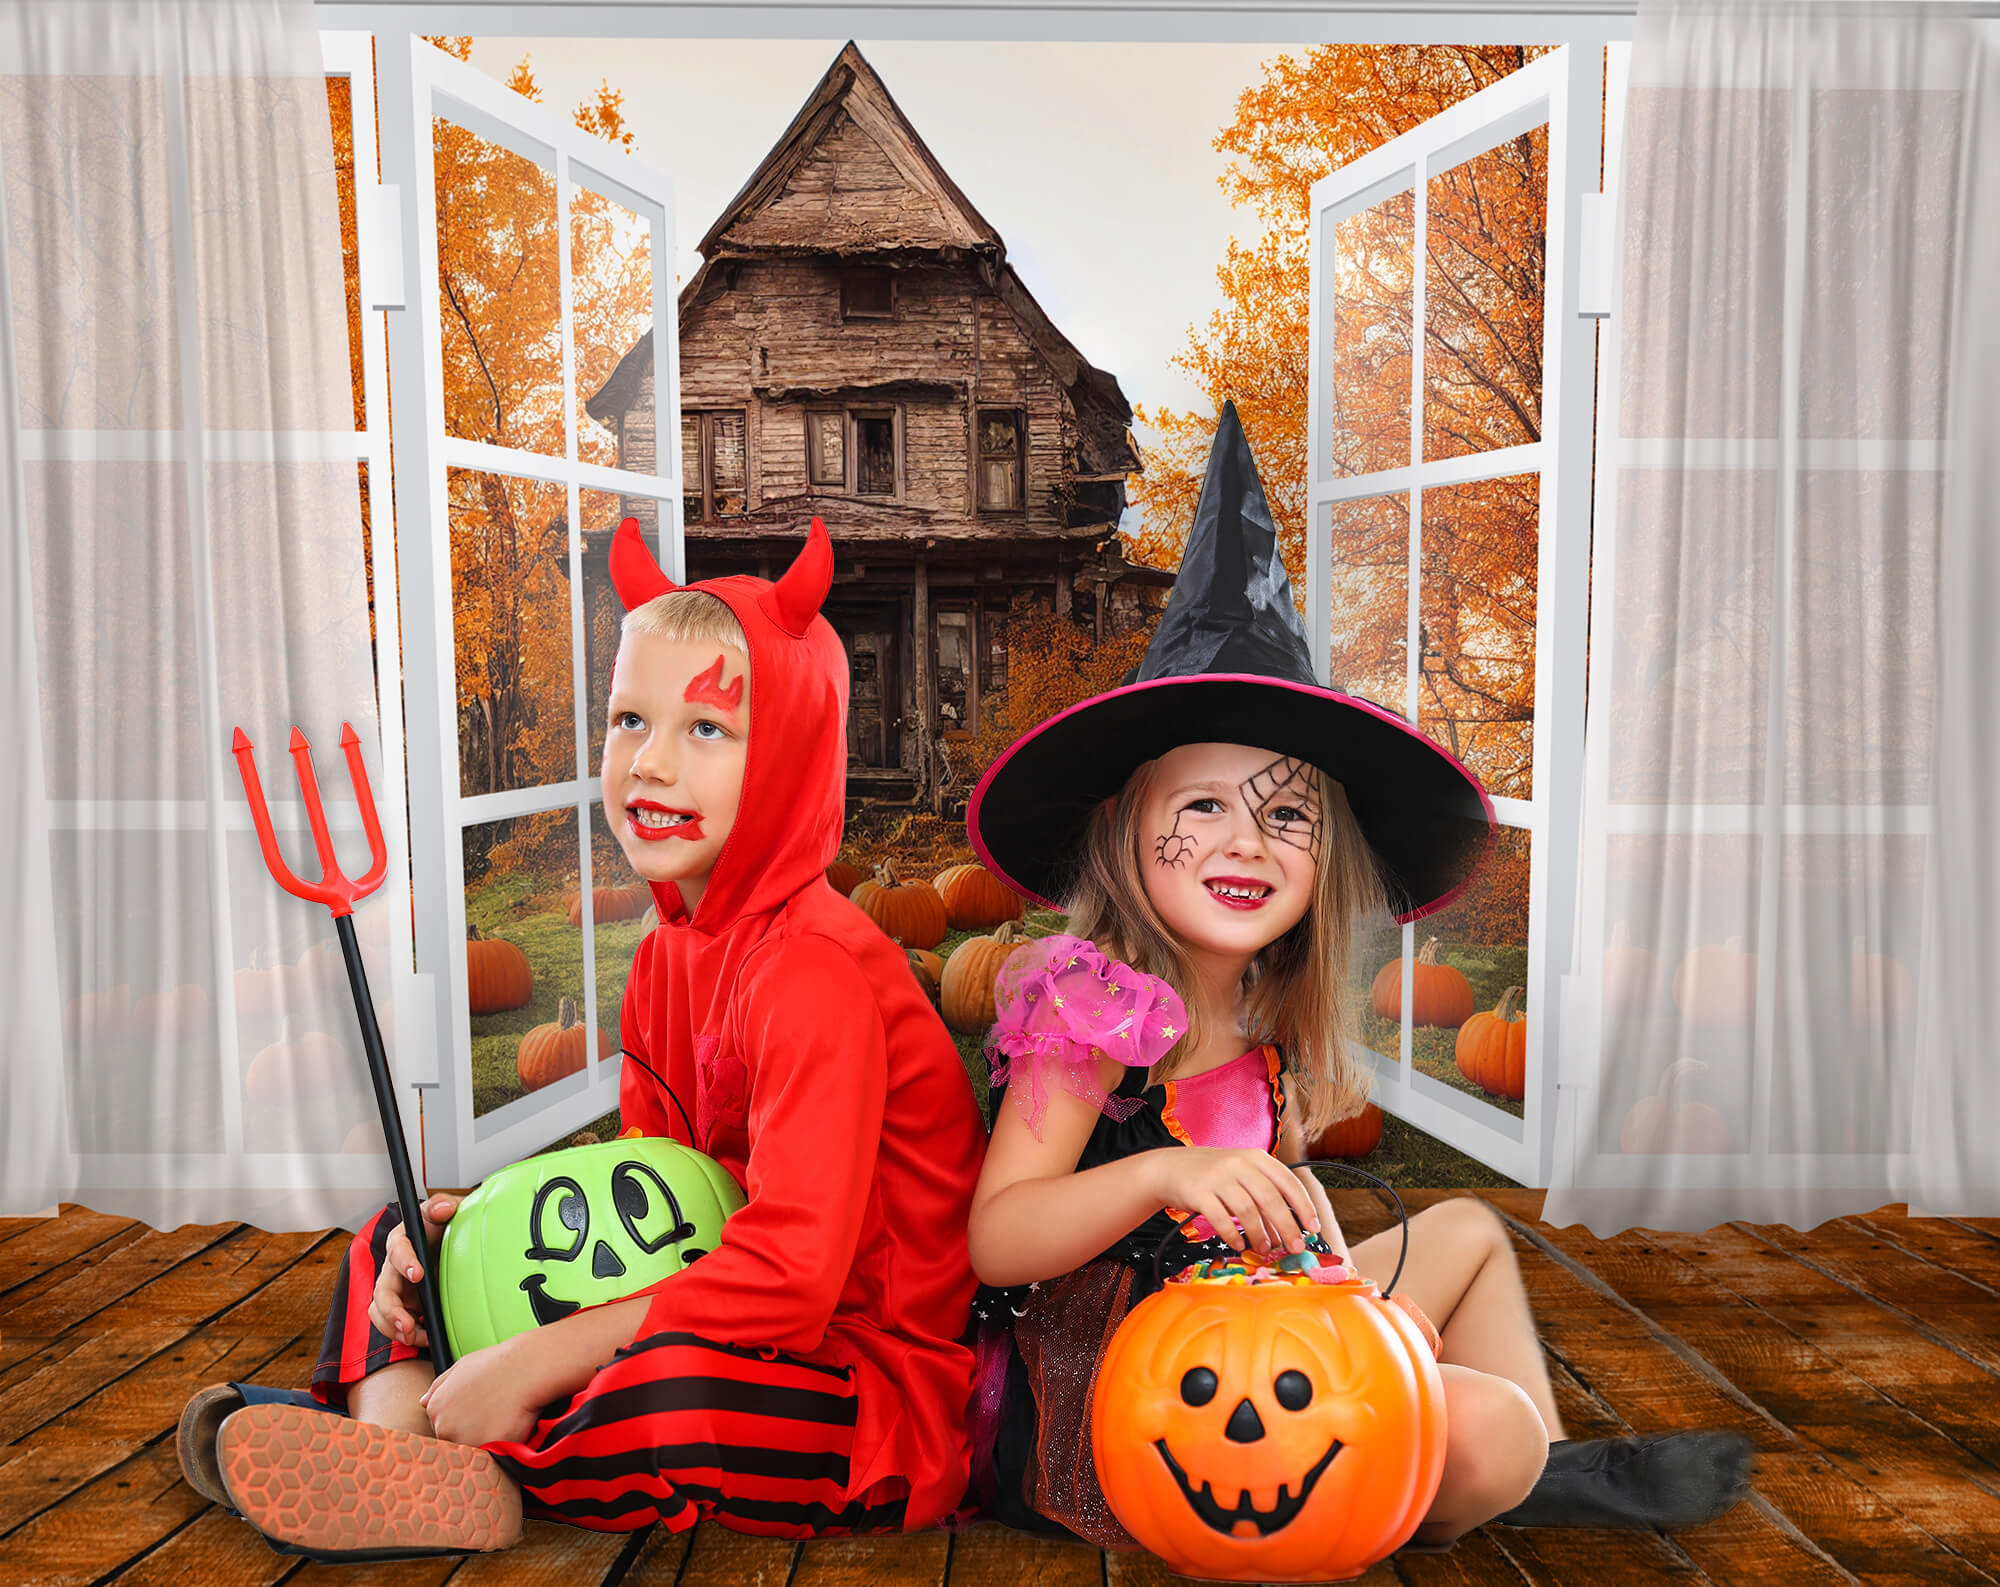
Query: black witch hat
<point x="1230" y="664"/>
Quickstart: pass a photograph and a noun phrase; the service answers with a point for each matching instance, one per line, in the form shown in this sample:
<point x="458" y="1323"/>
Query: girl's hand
<point x="396" y="1309"/>
<point x="489" y="1395"/>
<point x="1329" y="1225"/>
<point x="1238" y="1185"/>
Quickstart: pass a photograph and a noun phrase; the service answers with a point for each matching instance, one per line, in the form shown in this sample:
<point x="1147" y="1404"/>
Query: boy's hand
<point x="396" y="1309"/>
<point x="1238" y="1185"/>
<point x="492" y="1394"/>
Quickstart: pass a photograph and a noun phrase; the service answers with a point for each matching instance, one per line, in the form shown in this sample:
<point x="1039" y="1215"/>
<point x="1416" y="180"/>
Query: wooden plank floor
<point x="1863" y="1358"/>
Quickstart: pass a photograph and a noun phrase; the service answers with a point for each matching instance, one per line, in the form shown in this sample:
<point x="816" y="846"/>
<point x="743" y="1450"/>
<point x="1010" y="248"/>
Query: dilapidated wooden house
<point x="855" y="346"/>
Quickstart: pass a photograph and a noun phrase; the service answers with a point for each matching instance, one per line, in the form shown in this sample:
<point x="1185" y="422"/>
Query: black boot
<point x="1668" y="1480"/>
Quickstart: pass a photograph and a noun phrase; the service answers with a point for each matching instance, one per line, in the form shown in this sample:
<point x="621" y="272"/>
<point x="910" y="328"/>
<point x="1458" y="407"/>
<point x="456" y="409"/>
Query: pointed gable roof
<point x="849" y="175"/>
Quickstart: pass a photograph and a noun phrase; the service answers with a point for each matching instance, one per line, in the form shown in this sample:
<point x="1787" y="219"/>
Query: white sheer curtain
<point x="1789" y="863"/>
<point x="183" y="556"/>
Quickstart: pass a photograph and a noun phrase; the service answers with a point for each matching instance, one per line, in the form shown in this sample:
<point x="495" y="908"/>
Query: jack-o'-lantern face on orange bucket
<point x="1269" y="1432"/>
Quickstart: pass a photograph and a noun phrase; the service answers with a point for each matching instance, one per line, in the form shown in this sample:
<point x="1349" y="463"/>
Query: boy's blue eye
<point x="626" y="718"/>
<point x="719" y="730"/>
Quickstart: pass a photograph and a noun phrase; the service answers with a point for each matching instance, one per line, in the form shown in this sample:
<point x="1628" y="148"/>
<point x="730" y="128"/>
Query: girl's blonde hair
<point x="687" y="614"/>
<point x="1296" y="993"/>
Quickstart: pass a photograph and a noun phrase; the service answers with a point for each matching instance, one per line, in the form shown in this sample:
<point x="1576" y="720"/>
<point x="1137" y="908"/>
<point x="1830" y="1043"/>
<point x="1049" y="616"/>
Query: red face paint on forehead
<point x="707" y="689"/>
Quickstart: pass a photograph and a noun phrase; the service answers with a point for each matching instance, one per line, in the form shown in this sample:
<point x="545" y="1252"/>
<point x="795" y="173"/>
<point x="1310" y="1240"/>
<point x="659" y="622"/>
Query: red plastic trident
<point x="338" y="894"/>
<point x="332" y="889"/>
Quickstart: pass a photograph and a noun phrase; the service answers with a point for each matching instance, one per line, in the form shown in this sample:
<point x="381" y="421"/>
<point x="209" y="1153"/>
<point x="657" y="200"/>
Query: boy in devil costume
<point x="806" y="1375"/>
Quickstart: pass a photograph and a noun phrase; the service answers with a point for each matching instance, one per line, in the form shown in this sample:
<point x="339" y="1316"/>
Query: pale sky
<point x="1094" y="162"/>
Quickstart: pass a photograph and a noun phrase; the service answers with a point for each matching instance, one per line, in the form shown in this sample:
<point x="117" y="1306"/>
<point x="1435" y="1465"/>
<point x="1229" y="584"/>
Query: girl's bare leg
<point x="393" y="1396"/>
<point x="1462" y="1272"/>
<point x="1494" y="1449"/>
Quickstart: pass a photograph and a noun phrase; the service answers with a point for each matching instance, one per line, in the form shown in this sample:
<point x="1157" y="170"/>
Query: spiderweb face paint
<point x="706" y="689"/>
<point x="1281" y="797"/>
<point x="1173" y="847"/>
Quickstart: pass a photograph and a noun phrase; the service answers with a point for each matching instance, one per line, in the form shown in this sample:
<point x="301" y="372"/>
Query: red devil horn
<point x="634" y="574"/>
<point x="794" y="601"/>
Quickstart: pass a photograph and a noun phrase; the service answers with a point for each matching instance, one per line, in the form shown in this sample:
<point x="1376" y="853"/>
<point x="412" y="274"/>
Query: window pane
<point x="1476" y="682"/>
<point x="826" y="449"/>
<point x="619" y="922"/>
<point x="510" y="628"/>
<point x="1483" y="935"/>
<point x="996" y="483"/>
<point x="691" y="497"/>
<point x="999" y="434"/>
<point x="727" y="461"/>
<point x="603" y="612"/>
<point x="519" y="875"/>
<point x="954" y="662"/>
<point x="340" y="110"/>
<point x="499" y="300"/>
<point x="865" y="292"/>
<point x="1373" y="308"/>
<point x="1376" y="1017"/>
<point x="1486" y="262"/>
<point x="1370" y="604"/>
<point x="875" y="439"/>
<point x="611" y="294"/>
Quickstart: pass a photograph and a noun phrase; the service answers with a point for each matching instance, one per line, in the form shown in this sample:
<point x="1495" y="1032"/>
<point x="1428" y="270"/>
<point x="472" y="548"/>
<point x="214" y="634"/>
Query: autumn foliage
<point x="1483" y="265"/>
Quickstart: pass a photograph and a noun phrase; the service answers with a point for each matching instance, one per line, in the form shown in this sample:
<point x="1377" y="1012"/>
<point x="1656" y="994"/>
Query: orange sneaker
<point x="337" y="1489"/>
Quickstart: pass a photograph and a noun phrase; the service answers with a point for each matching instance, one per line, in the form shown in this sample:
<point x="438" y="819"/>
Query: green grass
<point x="502" y="907"/>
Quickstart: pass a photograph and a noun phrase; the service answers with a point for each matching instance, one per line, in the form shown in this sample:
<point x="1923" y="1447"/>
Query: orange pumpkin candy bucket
<point x="1270" y="1422"/>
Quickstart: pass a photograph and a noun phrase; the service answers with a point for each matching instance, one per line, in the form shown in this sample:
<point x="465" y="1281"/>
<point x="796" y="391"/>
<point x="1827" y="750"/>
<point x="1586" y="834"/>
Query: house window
<point x="866" y="295"/>
<point x="714" y="465"/>
<point x="826" y="450"/>
<point x="857" y="450"/>
<point x="1001" y="433"/>
<point x="957" y="692"/>
<point x="875" y="454"/>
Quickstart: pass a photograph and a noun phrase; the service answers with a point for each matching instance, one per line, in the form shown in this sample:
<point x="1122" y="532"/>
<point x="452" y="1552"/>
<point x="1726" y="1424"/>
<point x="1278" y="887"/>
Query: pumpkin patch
<point x="497" y="974"/>
<point x="911" y="912"/>
<point x="1440" y="995"/>
<point x="975" y="899"/>
<point x="549" y="1052"/>
<point x="967" y="987"/>
<point x="1492" y="1049"/>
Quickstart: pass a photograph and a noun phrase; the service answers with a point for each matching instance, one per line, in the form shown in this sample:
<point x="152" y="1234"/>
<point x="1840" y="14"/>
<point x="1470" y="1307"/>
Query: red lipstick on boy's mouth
<point x="1257" y="892"/>
<point x="679" y="823"/>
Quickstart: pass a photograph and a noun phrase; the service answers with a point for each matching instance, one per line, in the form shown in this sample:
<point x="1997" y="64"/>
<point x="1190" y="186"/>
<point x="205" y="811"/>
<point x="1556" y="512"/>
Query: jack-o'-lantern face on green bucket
<point x="545" y="1237"/>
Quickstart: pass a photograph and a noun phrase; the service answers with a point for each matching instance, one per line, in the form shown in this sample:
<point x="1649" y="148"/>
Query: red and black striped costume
<point x="823" y="1080"/>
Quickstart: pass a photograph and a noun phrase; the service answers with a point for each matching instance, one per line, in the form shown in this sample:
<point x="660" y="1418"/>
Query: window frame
<point x="849" y="414"/>
<point x="980" y="456"/>
<point x="850" y="277"/>
<point x="705" y="461"/>
<point x="967" y="606"/>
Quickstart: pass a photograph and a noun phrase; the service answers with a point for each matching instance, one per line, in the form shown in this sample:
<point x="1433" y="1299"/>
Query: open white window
<point x="534" y="257"/>
<point x="1450" y="443"/>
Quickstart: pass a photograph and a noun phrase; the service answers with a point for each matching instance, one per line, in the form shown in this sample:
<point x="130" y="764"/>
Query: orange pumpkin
<point x="497" y="974"/>
<point x="1715" y="985"/>
<point x="911" y="912"/>
<point x="974" y="898"/>
<point x="928" y="968"/>
<point x="548" y="1052"/>
<point x="844" y="878"/>
<point x="264" y="985"/>
<point x="611" y="903"/>
<point x="1631" y="975"/>
<point x="1492" y="1049"/>
<point x="1660" y="1123"/>
<point x="177" y="1014"/>
<point x="1269" y="1432"/>
<point x="966" y="989"/>
<point x="1880" y="991"/>
<point x="100" y="1016"/>
<point x="1354" y="1136"/>
<point x="322" y="968"/>
<point x="294" y="1068"/>
<point x="1440" y="996"/>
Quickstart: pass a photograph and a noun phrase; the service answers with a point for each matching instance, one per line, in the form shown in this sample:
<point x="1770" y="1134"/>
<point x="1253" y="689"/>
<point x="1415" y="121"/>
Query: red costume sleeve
<point x="812" y="1037"/>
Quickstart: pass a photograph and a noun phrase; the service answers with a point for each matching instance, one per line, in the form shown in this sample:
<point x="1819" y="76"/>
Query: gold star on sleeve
<point x="1056" y="998"/>
<point x="1169" y="1032"/>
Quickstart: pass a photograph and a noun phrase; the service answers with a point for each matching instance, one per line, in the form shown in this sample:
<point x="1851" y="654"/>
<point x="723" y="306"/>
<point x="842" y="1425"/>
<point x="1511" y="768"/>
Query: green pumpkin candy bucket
<point x="548" y="1236"/>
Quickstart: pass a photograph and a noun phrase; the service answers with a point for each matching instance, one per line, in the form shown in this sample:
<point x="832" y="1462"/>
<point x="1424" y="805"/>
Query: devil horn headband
<point x="792" y="603"/>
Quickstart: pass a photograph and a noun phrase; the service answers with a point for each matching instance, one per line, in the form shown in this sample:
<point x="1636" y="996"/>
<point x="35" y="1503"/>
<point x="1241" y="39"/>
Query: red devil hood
<point x="788" y="823"/>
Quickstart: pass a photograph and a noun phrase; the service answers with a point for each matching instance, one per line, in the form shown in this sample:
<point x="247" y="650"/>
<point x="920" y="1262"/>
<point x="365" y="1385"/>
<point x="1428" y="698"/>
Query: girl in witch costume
<point x="1214" y="828"/>
<point x="807" y="1375"/>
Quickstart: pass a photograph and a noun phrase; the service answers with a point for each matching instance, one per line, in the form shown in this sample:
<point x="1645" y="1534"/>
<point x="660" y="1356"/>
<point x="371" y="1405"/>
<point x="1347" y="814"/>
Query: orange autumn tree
<point x="1482" y="338"/>
<point x="500" y="308"/>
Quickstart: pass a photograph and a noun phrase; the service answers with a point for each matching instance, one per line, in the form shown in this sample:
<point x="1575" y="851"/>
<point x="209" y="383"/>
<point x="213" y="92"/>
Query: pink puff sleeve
<point x="1063" y="1008"/>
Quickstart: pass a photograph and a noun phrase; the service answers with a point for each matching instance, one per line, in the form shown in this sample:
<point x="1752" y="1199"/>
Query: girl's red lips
<point x="1210" y="883"/>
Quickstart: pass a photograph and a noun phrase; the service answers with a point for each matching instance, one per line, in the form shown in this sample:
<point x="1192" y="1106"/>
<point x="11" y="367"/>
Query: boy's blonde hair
<point x="687" y="614"/>
<point x="1296" y="993"/>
